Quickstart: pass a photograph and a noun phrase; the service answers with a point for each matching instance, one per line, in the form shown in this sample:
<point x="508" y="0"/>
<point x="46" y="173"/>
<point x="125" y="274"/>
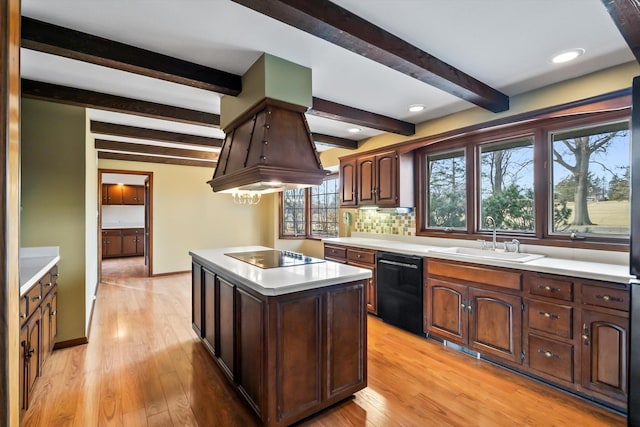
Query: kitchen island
<point x="292" y="339"/>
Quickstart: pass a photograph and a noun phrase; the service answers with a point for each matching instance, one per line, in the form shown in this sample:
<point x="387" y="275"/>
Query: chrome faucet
<point x="492" y="222"/>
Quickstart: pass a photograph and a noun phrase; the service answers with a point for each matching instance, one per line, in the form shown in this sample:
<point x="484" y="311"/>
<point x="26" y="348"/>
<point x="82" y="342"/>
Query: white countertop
<point x="34" y="263"/>
<point x="276" y="281"/>
<point x="587" y="269"/>
<point x="118" y="227"/>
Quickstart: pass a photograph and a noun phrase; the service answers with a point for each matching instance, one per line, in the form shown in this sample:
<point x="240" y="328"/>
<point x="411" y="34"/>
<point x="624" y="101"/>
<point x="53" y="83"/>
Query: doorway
<point x="125" y="222"/>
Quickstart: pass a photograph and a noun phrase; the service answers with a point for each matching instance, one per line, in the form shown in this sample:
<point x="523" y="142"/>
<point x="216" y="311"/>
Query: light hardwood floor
<point x="144" y="366"/>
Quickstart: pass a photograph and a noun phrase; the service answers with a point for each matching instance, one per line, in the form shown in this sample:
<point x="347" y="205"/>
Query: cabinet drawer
<point x="116" y="232"/>
<point x="550" y="318"/>
<point x="605" y="297"/>
<point x="335" y="252"/>
<point x="477" y="274"/>
<point x="551" y="357"/>
<point x="23" y="309"/>
<point x="361" y="255"/>
<point x="47" y="283"/>
<point x="34" y="296"/>
<point x="544" y="286"/>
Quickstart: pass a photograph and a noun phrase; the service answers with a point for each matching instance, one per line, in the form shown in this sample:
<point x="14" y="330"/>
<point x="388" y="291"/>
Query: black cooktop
<point x="272" y="258"/>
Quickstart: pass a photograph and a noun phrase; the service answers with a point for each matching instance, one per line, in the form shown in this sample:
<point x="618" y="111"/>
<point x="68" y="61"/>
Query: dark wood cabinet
<point x="358" y="257"/>
<point x="383" y="179"/>
<point x="348" y="183"/>
<point x="210" y="309"/>
<point x="196" y="299"/>
<point x="483" y="320"/>
<point x="118" y="194"/>
<point x="38" y="323"/>
<point x="288" y="355"/>
<point x="121" y="242"/>
<point x="226" y="326"/>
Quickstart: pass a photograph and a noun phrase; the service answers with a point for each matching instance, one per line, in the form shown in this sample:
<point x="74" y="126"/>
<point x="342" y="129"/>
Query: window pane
<point x="324" y="209"/>
<point x="446" y="190"/>
<point x="293" y="221"/>
<point x="591" y="170"/>
<point x="506" y="185"/>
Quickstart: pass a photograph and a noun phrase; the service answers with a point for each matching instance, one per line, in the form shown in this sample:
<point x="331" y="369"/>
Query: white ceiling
<point x="506" y="44"/>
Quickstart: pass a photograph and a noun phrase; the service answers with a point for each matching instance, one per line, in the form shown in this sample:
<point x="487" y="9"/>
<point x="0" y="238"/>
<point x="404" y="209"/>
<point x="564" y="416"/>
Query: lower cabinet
<point x="122" y="242"/>
<point x="358" y="257"/>
<point x="289" y="355"/>
<point x="39" y="326"/>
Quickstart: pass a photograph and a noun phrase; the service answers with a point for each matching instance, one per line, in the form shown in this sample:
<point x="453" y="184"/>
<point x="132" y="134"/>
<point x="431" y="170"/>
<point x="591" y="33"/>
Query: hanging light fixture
<point x="246" y="197"/>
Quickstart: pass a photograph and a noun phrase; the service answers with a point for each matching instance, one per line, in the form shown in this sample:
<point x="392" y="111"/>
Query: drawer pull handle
<point x="607" y="298"/>
<point x="29" y="354"/>
<point x="548" y="353"/>
<point x="549" y="288"/>
<point x="36" y="298"/>
<point x="23" y="315"/>
<point x="548" y="315"/>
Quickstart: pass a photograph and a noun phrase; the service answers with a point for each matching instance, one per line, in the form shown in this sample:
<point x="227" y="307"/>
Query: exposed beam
<point x="344" y="113"/>
<point x="103" y="101"/>
<point x="335" y="141"/>
<point x="61" y="41"/>
<point x="153" y="134"/>
<point x="626" y="15"/>
<point x="337" y="25"/>
<point x="155" y="159"/>
<point x="128" y="147"/>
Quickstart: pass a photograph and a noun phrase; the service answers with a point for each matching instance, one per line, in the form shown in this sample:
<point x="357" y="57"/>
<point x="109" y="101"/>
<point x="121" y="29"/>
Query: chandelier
<point x="246" y="197"/>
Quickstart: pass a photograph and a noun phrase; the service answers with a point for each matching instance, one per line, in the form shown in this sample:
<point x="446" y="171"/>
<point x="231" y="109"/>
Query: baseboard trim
<point x="70" y="343"/>
<point x="170" y="273"/>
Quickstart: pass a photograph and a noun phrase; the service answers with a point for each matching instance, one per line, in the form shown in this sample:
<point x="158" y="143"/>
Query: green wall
<point x="53" y="200"/>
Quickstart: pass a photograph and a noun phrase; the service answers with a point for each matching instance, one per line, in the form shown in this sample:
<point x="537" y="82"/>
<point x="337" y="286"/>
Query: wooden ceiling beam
<point x="49" y="38"/>
<point x="155" y="159"/>
<point x="626" y="16"/>
<point x="153" y="134"/>
<point x="337" y="25"/>
<point x="335" y="141"/>
<point x="343" y="113"/>
<point x="156" y="150"/>
<point x="102" y="101"/>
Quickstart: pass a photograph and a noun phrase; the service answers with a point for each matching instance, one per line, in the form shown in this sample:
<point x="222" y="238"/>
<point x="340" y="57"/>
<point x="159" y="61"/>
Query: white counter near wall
<point x="34" y="263"/>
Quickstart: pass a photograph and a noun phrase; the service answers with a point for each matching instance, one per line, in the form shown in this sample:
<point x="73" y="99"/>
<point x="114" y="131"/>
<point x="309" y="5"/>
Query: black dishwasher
<point x="399" y="282"/>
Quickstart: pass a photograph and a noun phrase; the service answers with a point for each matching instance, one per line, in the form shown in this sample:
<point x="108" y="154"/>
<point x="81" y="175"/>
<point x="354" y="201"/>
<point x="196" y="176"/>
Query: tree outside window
<point x="591" y="168"/>
<point x="310" y="212"/>
<point x="506" y="185"/>
<point x="446" y="190"/>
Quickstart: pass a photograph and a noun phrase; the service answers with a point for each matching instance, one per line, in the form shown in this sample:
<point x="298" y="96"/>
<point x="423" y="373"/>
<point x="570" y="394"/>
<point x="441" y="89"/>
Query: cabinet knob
<point x="48" y="285"/>
<point x="585" y="334"/>
<point x="36" y="298"/>
<point x="53" y="313"/>
<point x="29" y="353"/>
<point x="23" y="315"/>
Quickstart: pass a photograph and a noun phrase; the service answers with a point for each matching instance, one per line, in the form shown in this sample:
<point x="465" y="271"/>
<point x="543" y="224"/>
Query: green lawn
<point x="610" y="217"/>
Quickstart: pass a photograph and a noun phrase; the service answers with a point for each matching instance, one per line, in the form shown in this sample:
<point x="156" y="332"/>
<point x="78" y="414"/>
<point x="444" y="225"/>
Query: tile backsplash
<point x="384" y="222"/>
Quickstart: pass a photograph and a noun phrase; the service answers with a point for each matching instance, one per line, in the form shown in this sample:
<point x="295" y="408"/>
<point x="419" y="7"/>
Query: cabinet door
<point x="495" y="324"/>
<point x="372" y="297"/>
<point x="129" y="243"/>
<point x="196" y="298"/>
<point x="46" y="327"/>
<point x="53" y="323"/>
<point x="348" y="183"/>
<point x="129" y="195"/>
<point x="111" y="243"/>
<point x="366" y="181"/>
<point x="114" y="194"/>
<point x="605" y="349"/>
<point x="446" y="310"/>
<point x="251" y="348"/>
<point x="226" y="326"/>
<point x="139" y="194"/>
<point x="140" y="242"/>
<point x="209" y="300"/>
<point x="386" y="168"/>
<point x="105" y="194"/>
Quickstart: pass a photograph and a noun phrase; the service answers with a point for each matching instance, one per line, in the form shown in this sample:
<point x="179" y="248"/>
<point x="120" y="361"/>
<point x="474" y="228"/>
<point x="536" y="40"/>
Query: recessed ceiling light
<point x="354" y="130"/>
<point x="567" y="55"/>
<point x="416" y="108"/>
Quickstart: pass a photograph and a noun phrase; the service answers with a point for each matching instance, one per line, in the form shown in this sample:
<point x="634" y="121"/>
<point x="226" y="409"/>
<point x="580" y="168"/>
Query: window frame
<point x="540" y="130"/>
<point x="307" y="213"/>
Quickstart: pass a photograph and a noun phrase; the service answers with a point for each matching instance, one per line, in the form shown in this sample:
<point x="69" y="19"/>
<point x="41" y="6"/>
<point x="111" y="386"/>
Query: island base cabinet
<point x="289" y="356"/>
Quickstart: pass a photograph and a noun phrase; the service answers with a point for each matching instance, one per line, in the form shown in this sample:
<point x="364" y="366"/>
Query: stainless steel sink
<point x="489" y="254"/>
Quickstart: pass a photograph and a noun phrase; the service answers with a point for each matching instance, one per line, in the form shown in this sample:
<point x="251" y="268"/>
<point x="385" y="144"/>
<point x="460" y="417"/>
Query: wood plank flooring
<point x="144" y="366"/>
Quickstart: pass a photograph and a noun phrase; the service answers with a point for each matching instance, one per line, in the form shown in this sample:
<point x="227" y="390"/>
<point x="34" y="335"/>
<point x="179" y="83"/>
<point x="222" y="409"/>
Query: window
<point x="506" y="185"/>
<point x="447" y="190"/>
<point x="310" y="212"/>
<point x="590" y="179"/>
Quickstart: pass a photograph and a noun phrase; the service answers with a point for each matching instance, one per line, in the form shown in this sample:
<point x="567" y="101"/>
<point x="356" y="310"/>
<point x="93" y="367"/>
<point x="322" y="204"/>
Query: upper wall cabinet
<point x="116" y="194"/>
<point x="381" y="179"/>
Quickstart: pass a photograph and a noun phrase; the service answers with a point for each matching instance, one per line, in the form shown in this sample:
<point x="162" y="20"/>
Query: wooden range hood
<point x="268" y="146"/>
